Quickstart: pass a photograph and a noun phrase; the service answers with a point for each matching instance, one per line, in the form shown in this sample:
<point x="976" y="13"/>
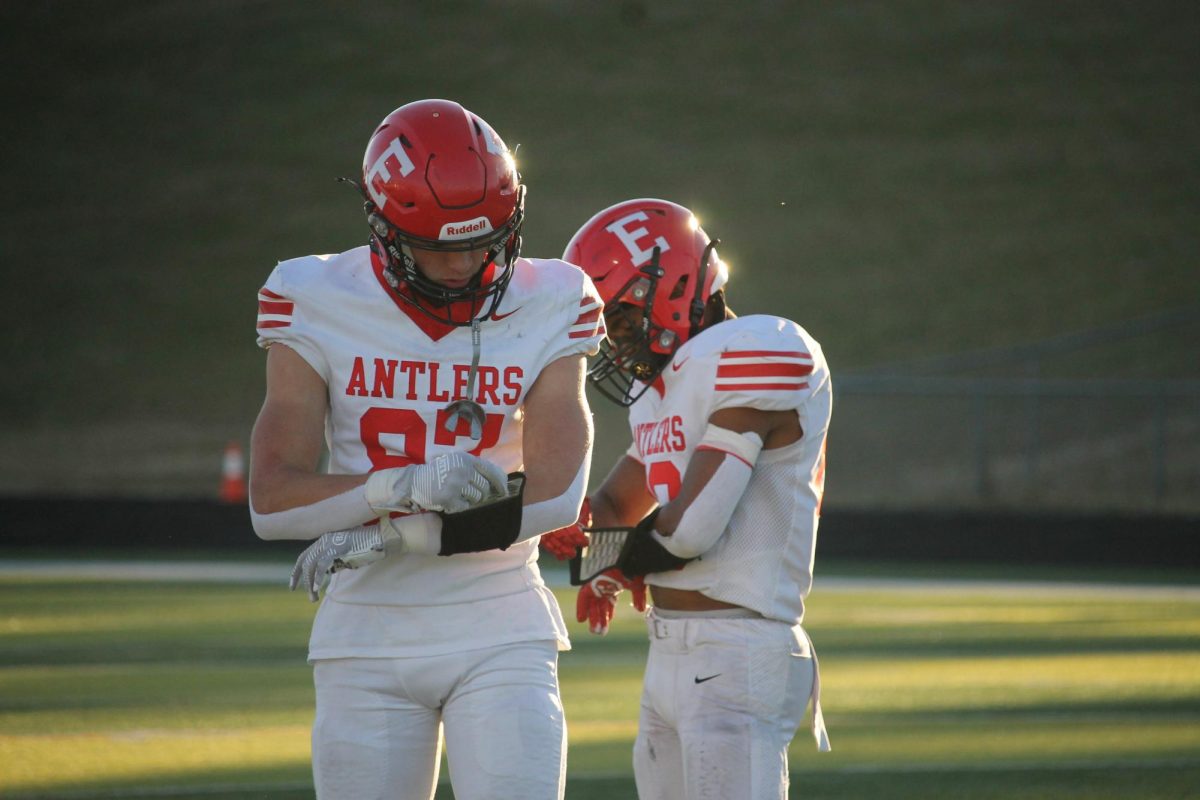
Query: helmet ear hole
<point x="640" y="290"/>
<point x="378" y="224"/>
<point x="680" y="287"/>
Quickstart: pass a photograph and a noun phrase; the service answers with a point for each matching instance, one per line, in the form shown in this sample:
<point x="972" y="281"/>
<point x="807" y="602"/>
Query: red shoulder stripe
<point x="275" y="307"/>
<point x="588" y="316"/>
<point x="274" y="310"/>
<point x="590" y="320"/>
<point x="761" y="370"/>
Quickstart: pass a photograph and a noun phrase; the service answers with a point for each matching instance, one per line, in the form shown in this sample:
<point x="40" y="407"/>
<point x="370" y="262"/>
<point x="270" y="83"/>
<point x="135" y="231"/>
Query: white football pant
<point x="721" y="701"/>
<point x="378" y="720"/>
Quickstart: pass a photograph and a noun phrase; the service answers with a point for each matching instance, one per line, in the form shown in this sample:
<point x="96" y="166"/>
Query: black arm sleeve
<point x="641" y="554"/>
<point x="491" y="526"/>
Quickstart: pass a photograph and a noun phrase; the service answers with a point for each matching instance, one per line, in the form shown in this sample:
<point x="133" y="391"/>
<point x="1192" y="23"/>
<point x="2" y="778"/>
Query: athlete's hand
<point x="336" y="551"/>
<point x="450" y="483"/>
<point x="565" y="542"/>
<point x="597" y="600"/>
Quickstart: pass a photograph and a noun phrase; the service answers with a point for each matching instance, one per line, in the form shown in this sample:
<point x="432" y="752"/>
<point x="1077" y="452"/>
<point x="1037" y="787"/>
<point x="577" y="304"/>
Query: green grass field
<point x="118" y="688"/>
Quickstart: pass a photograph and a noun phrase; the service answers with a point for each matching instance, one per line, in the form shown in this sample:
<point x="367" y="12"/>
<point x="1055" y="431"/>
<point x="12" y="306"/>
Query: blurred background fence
<point x="1118" y="445"/>
<point x="990" y="429"/>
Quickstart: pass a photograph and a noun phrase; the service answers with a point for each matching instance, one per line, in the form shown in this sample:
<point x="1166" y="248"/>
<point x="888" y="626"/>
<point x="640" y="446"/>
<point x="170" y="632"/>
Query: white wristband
<point x="379" y="489"/>
<point x="421" y="533"/>
<point x="745" y="446"/>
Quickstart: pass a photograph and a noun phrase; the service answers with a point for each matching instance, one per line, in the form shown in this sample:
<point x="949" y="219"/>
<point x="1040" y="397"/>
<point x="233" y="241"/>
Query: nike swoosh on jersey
<point x="675" y="367"/>
<point x="497" y="316"/>
<point x="698" y="679"/>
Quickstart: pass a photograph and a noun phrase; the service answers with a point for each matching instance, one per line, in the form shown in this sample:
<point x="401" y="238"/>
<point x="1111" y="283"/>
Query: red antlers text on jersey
<point x="663" y="436"/>
<point x="428" y="380"/>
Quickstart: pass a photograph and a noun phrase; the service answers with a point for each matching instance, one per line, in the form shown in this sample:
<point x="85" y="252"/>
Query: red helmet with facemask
<point x="437" y="177"/>
<point x="655" y="266"/>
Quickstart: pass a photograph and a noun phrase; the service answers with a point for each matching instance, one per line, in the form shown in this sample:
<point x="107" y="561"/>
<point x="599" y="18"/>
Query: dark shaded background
<point x="907" y="180"/>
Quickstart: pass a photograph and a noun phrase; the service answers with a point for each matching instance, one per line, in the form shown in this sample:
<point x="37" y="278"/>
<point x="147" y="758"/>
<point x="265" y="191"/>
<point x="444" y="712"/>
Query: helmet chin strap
<point x="420" y="282"/>
<point x="427" y="295"/>
<point x="646" y="362"/>
<point x="467" y="408"/>
<point x="412" y="272"/>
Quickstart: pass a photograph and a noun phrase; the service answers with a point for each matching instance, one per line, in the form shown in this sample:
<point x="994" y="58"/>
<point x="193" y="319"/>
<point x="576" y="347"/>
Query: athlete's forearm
<point x="622" y="500"/>
<point x="282" y="488"/>
<point x="334" y="512"/>
<point x="605" y="511"/>
<point x="450" y="483"/>
<point x="558" y="511"/>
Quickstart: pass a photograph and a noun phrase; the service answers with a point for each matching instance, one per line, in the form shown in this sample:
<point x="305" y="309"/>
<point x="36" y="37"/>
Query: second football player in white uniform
<point x="432" y="363"/>
<point x="722" y="486"/>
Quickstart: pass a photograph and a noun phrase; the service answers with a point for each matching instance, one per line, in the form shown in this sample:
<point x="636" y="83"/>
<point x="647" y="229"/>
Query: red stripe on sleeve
<point x="596" y="326"/>
<point x="266" y="307"/>
<point x="588" y="316"/>
<point x="265" y="292"/>
<point x="773" y="370"/>
<point x="274" y="323"/>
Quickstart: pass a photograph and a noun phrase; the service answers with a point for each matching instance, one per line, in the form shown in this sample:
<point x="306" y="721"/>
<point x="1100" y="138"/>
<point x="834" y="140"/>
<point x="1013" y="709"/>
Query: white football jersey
<point x="763" y="560"/>
<point x="391" y="371"/>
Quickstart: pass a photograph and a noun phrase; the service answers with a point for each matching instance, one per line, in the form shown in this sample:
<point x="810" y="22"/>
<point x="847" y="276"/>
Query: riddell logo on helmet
<point x="465" y="230"/>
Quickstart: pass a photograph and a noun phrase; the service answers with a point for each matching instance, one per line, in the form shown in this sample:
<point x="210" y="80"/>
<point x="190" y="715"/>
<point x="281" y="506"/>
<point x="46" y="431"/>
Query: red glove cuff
<point x="566" y="541"/>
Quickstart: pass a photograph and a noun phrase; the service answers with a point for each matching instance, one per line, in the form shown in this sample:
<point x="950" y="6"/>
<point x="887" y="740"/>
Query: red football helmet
<point x="655" y="268"/>
<point x="437" y="177"/>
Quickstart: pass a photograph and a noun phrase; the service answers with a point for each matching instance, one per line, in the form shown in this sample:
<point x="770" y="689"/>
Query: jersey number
<point x="664" y="481"/>
<point x="397" y="437"/>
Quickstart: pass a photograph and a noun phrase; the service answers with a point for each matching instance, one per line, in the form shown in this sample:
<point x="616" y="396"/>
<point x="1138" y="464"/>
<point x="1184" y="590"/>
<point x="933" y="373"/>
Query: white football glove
<point x="336" y="551"/>
<point x="450" y="483"/>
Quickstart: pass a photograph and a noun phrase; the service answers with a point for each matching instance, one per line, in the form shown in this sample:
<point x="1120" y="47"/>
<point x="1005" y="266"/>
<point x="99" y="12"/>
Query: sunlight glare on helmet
<point x="693" y="223"/>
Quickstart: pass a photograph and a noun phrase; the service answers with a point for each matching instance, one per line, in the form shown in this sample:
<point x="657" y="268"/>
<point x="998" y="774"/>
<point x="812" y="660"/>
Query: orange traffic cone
<point x="233" y="475"/>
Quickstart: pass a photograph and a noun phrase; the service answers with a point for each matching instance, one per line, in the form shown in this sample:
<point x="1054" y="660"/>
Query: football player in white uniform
<point x="437" y="366"/>
<point x="721" y="492"/>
